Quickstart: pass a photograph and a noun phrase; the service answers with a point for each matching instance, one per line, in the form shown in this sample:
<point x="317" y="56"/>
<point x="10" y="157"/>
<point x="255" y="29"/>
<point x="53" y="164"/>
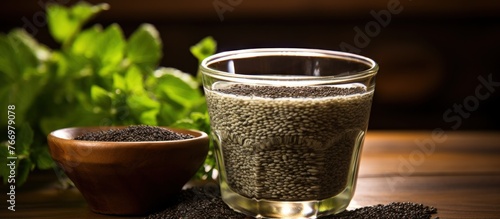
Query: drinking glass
<point x="288" y="127"/>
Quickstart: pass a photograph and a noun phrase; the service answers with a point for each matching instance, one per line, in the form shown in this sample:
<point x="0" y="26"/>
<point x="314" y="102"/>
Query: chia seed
<point x="288" y="143"/>
<point x="134" y="133"/>
<point x="290" y="92"/>
<point x="206" y="203"/>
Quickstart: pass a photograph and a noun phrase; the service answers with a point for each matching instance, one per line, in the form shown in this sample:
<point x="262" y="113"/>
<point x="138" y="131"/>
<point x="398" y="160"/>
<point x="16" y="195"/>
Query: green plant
<point x="96" y="78"/>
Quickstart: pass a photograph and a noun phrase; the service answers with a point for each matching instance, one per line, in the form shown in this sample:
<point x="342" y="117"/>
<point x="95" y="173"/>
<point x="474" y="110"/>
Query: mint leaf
<point x="23" y="71"/>
<point x="134" y="81"/>
<point x="8" y="68"/>
<point x="111" y="45"/>
<point x="28" y="48"/>
<point x="196" y="120"/>
<point x="24" y="139"/>
<point x="206" y="47"/>
<point x="187" y="78"/>
<point x="149" y="117"/>
<point x="24" y="167"/>
<point x="23" y="94"/>
<point x="85" y="42"/>
<point x="171" y="85"/>
<point x="20" y="55"/>
<point x="140" y="104"/>
<point x="144" y="47"/>
<point x="100" y="97"/>
<point x="170" y="113"/>
<point x="61" y="24"/>
<point x="23" y="57"/>
<point x="119" y="82"/>
<point x="72" y="116"/>
<point x="30" y="73"/>
<point x="105" y="49"/>
<point x="83" y="11"/>
<point x="42" y="158"/>
<point x="64" y="23"/>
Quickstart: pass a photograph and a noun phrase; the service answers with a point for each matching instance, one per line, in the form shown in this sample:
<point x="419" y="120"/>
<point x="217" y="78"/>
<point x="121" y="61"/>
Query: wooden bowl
<point x="127" y="178"/>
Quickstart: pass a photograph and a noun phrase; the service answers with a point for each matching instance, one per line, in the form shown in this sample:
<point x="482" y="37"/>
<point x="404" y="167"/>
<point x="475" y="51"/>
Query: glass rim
<point x="303" y="52"/>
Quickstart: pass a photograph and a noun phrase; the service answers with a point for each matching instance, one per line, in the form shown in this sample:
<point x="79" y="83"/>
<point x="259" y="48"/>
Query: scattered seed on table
<point x="205" y="203"/>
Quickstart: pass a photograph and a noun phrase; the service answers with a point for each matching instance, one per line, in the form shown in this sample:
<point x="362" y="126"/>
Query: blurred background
<point x="436" y="57"/>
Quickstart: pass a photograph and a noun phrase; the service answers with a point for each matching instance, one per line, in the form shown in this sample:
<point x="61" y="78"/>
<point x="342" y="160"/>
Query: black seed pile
<point x="134" y="133"/>
<point x="288" y="149"/>
<point x="206" y="203"/>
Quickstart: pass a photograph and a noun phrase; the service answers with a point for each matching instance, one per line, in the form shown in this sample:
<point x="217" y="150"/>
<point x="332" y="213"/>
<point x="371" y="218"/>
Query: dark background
<point x="430" y="54"/>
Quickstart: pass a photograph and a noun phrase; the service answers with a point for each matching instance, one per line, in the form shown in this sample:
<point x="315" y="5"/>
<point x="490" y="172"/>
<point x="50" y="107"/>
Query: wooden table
<point x="456" y="172"/>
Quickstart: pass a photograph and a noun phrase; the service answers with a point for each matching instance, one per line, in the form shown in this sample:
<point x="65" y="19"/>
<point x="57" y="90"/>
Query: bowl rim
<point x="56" y="134"/>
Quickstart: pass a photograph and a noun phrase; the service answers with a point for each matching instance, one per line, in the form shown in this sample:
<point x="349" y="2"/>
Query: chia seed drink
<point x="288" y="143"/>
<point x="288" y="126"/>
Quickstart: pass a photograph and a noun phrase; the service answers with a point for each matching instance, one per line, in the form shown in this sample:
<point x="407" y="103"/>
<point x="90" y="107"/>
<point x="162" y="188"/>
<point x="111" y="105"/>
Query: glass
<point x="288" y="127"/>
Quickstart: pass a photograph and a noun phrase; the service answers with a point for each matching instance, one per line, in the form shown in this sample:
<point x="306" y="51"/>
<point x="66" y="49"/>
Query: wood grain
<point x="460" y="177"/>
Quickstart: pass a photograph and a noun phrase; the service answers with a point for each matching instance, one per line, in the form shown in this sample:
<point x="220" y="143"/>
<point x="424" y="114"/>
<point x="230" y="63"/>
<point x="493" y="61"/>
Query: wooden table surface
<point x="456" y="172"/>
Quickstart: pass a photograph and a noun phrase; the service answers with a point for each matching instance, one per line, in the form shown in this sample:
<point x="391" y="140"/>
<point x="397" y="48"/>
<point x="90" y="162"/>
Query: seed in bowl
<point x="134" y="133"/>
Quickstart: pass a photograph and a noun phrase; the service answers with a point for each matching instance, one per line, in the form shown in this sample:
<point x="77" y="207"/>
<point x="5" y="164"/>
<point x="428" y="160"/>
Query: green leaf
<point x="172" y="86"/>
<point x="35" y="51"/>
<point x="134" y="80"/>
<point x="100" y="97"/>
<point x="23" y="55"/>
<point x="187" y="78"/>
<point x="196" y="120"/>
<point x="42" y="158"/>
<point x="41" y="52"/>
<point x="83" y="11"/>
<point x="104" y="49"/>
<point x="111" y="45"/>
<point x="139" y="104"/>
<point x="20" y="55"/>
<point x="144" y="46"/>
<point x="8" y="69"/>
<point x="69" y="66"/>
<point x="206" y="47"/>
<point x="23" y="71"/>
<point x="106" y="71"/>
<point x="85" y="42"/>
<point x="170" y="113"/>
<point x="119" y="82"/>
<point x="23" y="95"/>
<point x="149" y="117"/>
<point x="64" y="23"/>
<point x="24" y="139"/>
<point x="72" y="116"/>
<point x="24" y="167"/>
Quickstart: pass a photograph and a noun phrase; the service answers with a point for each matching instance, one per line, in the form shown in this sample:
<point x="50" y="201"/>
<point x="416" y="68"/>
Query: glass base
<point x="261" y="208"/>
